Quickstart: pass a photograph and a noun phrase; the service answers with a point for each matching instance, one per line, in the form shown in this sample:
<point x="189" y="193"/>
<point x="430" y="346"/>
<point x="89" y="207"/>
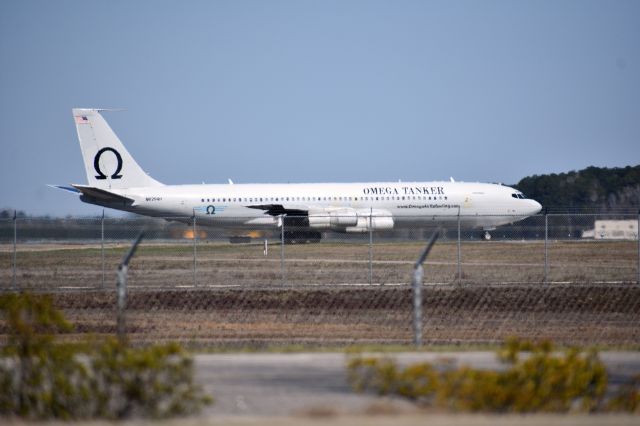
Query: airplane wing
<point x="279" y="209"/>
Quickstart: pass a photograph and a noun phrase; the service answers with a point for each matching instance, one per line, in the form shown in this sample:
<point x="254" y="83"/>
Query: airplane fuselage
<point x="261" y="205"/>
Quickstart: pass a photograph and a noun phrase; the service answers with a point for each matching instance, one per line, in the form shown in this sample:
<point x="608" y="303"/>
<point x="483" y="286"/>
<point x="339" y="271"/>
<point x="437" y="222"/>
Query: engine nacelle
<point x="333" y="219"/>
<point x="377" y="223"/>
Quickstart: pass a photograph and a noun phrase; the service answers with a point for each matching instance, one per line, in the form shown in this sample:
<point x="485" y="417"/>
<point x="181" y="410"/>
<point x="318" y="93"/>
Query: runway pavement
<point x="272" y="384"/>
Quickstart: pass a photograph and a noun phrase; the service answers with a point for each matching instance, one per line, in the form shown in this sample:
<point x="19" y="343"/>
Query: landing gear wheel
<point x="486" y="236"/>
<point x="301" y="237"/>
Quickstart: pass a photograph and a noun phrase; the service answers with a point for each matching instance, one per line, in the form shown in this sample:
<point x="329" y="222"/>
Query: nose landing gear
<point x="486" y="236"/>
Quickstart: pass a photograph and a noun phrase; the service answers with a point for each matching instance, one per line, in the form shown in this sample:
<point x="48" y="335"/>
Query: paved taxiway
<point x="273" y="384"/>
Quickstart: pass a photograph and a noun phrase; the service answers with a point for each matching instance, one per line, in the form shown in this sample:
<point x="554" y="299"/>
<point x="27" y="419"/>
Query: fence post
<point x="418" y="275"/>
<point x="416" y="285"/>
<point x="121" y="288"/>
<point x="15" y="240"/>
<point x="195" y="241"/>
<point x="371" y="246"/>
<point x="102" y="246"/>
<point x="638" y="237"/>
<point x="546" y="242"/>
<point x="459" y="250"/>
<point x="282" y="272"/>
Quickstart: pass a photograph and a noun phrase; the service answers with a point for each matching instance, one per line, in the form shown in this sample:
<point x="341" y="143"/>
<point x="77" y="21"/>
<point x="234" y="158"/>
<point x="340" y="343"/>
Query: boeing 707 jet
<point x="116" y="181"/>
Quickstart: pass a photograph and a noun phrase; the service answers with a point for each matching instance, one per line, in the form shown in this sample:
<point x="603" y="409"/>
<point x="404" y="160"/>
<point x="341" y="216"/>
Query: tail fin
<point x="107" y="162"/>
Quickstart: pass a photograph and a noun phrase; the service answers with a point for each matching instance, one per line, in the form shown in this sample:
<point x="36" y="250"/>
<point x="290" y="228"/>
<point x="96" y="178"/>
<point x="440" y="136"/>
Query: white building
<point x="613" y="230"/>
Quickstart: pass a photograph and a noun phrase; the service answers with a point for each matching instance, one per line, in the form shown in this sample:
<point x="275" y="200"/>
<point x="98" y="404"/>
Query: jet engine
<point x="333" y="219"/>
<point x="377" y="223"/>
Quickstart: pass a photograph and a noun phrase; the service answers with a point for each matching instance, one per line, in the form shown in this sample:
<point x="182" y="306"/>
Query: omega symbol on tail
<point x="96" y="164"/>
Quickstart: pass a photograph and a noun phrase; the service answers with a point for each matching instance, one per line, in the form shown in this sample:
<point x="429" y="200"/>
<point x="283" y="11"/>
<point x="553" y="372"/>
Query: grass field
<point x="157" y="264"/>
<point x="240" y="297"/>
<point x="236" y="318"/>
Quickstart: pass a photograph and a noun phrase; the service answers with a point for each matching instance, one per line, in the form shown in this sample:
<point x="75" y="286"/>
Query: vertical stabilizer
<point x="107" y="162"/>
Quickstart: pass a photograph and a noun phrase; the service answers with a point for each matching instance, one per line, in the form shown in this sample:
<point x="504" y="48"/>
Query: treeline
<point x="594" y="188"/>
<point x="8" y="213"/>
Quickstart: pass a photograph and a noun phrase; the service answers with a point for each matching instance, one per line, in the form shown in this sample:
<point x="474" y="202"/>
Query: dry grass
<point x="164" y="265"/>
<point x="240" y="298"/>
<point x="233" y="318"/>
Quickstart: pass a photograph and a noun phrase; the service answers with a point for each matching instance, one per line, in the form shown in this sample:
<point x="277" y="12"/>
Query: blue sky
<point x="317" y="91"/>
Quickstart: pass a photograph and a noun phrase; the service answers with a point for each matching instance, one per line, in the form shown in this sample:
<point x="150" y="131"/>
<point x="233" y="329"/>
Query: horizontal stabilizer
<point x="65" y="188"/>
<point x="102" y="195"/>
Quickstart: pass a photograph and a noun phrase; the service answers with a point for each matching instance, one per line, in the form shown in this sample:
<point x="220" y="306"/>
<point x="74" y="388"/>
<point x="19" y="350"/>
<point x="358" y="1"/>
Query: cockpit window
<point x="514" y="195"/>
<point x="519" y="195"/>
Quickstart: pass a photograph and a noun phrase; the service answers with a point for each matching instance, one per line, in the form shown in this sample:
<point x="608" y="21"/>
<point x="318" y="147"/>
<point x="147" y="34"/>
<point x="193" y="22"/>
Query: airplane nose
<point x="536" y="207"/>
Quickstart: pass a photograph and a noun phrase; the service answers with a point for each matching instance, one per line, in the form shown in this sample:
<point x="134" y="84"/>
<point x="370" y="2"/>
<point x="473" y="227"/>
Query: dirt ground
<point x="234" y="295"/>
<point x="258" y="318"/>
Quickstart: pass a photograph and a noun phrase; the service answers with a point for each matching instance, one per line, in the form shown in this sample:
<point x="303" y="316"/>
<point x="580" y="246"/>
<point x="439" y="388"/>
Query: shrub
<point x="627" y="397"/>
<point x="543" y="380"/>
<point x="418" y="382"/>
<point x="152" y="382"/>
<point x="39" y="379"/>
<point x="42" y="379"/>
<point x="372" y="373"/>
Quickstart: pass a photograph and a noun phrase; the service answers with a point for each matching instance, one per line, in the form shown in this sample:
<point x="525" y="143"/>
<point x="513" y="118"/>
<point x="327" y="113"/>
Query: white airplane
<point x="116" y="181"/>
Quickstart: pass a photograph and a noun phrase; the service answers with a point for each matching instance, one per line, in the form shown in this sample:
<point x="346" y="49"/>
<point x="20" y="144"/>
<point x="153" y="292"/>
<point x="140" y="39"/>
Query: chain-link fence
<point x="573" y="278"/>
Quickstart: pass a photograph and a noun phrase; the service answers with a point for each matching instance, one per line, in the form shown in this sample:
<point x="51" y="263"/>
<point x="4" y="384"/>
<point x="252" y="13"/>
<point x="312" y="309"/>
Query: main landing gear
<point x="486" y="236"/>
<point x="301" y="237"/>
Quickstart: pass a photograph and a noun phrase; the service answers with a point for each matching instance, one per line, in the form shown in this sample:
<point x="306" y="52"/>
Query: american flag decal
<point x="81" y="119"/>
